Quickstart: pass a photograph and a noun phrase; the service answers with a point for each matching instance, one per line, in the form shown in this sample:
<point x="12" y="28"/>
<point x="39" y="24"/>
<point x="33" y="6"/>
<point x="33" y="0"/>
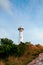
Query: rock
<point x="38" y="60"/>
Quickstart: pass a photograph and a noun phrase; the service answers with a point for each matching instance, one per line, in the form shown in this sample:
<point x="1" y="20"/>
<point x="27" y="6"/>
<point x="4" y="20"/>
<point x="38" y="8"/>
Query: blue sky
<point x="28" y="13"/>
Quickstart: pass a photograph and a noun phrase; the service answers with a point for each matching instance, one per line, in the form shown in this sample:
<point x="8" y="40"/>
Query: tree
<point x="6" y="41"/>
<point x="21" y="49"/>
<point x="14" y="49"/>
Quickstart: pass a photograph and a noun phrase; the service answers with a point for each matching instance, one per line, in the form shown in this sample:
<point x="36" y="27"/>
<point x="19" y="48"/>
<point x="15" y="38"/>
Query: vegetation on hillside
<point x="20" y="54"/>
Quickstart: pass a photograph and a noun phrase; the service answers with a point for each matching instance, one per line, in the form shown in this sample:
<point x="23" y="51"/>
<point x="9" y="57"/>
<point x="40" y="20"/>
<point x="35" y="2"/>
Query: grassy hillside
<point x="12" y="54"/>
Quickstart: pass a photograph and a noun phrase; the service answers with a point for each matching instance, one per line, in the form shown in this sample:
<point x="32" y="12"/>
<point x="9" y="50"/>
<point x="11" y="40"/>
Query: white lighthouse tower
<point x="21" y="29"/>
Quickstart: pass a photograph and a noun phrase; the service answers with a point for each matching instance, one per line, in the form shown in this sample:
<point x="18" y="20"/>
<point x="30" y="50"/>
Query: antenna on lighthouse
<point x="21" y="29"/>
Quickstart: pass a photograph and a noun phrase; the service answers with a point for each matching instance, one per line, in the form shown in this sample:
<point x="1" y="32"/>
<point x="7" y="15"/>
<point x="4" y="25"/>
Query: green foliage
<point x="21" y="49"/>
<point x="28" y="50"/>
<point x="14" y="50"/>
<point x="6" y="41"/>
<point x="7" y="48"/>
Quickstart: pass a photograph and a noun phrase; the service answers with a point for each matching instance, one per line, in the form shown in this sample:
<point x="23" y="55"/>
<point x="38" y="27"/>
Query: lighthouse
<point x="21" y="29"/>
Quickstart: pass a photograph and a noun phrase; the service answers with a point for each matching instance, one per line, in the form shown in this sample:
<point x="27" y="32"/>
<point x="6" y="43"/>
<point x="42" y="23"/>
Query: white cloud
<point x="6" y="5"/>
